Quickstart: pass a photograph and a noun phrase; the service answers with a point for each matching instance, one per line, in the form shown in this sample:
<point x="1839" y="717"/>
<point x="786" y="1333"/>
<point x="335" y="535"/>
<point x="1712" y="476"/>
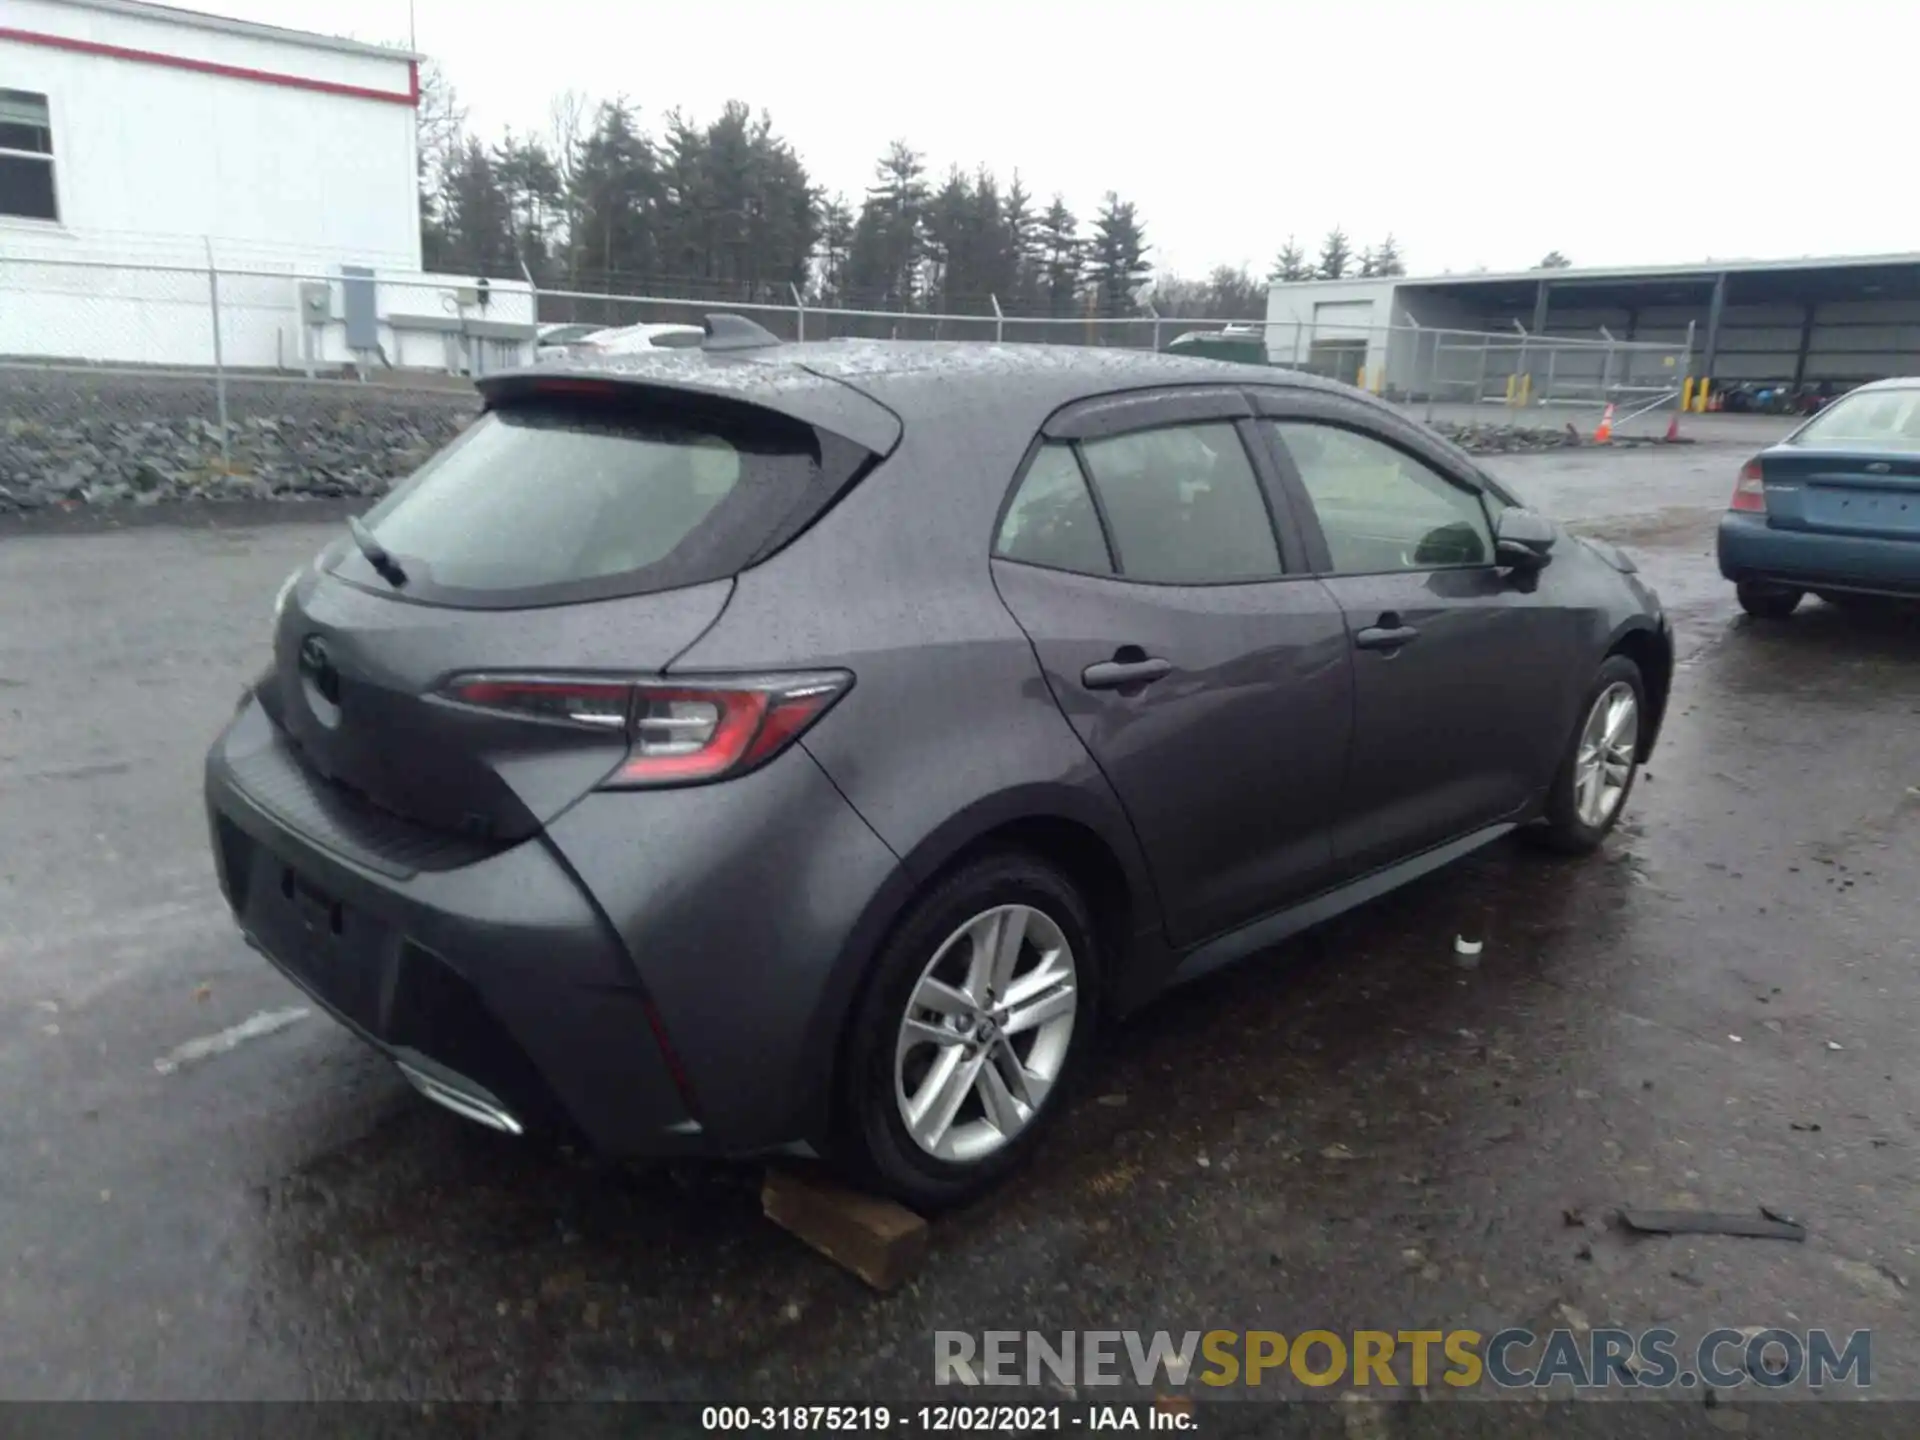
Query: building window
<point x="26" y="157"/>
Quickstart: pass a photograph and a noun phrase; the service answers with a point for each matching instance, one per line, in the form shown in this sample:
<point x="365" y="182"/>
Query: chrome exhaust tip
<point x="462" y="1097"/>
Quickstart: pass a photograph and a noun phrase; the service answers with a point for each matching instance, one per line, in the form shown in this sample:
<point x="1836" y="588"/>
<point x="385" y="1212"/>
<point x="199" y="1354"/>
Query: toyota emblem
<point x="316" y="668"/>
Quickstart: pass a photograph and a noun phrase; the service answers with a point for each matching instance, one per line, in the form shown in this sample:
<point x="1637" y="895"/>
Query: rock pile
<point x="81" y="440"/>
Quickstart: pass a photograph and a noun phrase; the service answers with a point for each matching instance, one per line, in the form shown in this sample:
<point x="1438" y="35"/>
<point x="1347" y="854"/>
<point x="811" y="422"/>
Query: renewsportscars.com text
<point x="1511" y="1359"/>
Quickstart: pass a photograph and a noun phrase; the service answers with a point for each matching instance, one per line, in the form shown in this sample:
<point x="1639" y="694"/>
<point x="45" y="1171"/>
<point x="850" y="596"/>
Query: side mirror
<point x="1522" y="540"/>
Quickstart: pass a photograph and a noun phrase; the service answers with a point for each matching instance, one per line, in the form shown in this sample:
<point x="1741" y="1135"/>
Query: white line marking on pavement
<point x="266" y="1022"/>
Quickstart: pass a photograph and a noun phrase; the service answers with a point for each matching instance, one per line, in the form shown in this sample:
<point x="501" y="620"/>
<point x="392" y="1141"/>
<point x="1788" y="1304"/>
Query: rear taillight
<point x="1750" y="493"/>
<point x="677" y="733"/>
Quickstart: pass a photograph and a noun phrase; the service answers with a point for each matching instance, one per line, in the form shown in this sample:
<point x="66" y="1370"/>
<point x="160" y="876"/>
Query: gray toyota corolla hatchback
<point x="779" y="746"/>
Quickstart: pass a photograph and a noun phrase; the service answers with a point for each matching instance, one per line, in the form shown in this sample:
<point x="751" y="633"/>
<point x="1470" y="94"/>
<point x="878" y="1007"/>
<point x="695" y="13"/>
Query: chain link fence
<point x="156" y="381"/>
<point x="1411" y="365"/>
<point x="142" y="383"/>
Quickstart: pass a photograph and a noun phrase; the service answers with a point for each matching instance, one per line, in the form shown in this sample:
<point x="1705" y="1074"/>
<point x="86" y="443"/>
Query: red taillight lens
<point x="1751" y="491"/>
<point x="678" y="733"/>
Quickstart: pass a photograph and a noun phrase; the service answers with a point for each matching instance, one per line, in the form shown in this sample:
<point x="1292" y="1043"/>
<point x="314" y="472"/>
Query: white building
<point x="142" y="146"/>
<point x="135" y="130"/>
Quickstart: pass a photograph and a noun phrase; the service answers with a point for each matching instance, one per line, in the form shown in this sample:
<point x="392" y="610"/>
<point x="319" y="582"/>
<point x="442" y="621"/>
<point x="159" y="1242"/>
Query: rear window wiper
<point x="377" y="554"/>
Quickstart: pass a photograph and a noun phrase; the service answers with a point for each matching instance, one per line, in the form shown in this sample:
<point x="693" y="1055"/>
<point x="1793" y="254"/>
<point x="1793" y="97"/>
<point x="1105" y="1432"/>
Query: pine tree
<point x="476" y="213"/>
<point x="1023" y="240"/>
<point x="836" y="239"/>
<point x="1062" y="255"/>
<point x="1117" y="255"/>
<point x="889" y="241"/>
<point x="1335" y="255"/>
<point x="617" y="194"/>
<point x="1290" y="265"/>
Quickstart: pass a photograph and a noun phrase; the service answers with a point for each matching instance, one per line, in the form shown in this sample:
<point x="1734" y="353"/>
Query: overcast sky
<point x="1480" y="133"/>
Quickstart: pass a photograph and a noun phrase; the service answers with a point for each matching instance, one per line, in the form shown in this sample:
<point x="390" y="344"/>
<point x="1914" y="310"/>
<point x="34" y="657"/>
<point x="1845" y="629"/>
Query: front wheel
<point x="1590" y="789"/>
<point x="1768" y="602"/>
<point x="980" y="1010"/>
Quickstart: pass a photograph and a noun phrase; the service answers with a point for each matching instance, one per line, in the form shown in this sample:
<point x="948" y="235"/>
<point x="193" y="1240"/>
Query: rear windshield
<point x="1875" y="419"/>
<point x="565" y="499"/>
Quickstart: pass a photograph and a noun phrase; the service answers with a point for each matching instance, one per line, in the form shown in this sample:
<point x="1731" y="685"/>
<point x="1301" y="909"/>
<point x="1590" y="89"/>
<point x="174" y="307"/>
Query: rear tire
<point x="1010" y="1037"/>
<point x="1590" y="789"/>
<point x="1768" y="602"/>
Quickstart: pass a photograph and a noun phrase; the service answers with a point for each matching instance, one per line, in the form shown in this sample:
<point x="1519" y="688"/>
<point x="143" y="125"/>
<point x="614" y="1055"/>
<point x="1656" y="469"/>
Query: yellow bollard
<point x="1526" y="389"/>
<point x="1700" y="397"/>
<point x="1512" y="382"/>
<point x="1686" y="394"/>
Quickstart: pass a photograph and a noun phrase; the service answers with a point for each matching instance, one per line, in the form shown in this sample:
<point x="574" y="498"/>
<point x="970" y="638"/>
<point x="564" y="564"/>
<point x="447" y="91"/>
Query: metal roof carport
<point x="1833" y="321"/>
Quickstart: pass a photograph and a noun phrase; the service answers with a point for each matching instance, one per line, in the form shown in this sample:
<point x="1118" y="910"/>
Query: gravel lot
<point x="1719" y="1010"/>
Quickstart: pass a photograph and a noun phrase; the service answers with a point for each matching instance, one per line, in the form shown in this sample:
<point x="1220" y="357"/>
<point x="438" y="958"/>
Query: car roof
<point x="909" y="377"/>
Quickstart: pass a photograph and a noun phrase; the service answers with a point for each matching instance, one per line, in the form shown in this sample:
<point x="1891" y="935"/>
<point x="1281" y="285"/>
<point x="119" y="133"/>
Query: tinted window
<point x="1052" y="520"/>
<point x="550" y="495"/>
<point x="1878" y="419"/>
<point x="1184" y="505"/>
<point x="1380" y="508"/>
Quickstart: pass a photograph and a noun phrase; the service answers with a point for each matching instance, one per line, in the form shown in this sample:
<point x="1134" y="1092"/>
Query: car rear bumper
<point x="505" y="982"/>
<point x="1751" y="550"/>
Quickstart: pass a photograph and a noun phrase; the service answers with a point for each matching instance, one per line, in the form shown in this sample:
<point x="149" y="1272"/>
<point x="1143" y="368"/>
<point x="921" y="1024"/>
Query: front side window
<point x="1052" y="521"/>
<point x="1380" y="508"/>
<point x="1184" y="506"/>
<point x="26" y="157"/>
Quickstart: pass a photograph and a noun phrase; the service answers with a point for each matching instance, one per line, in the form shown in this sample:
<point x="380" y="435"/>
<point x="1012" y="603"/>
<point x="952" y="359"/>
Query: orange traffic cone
<point x="1673" y="427"/>
<point x="1605" y="432"/>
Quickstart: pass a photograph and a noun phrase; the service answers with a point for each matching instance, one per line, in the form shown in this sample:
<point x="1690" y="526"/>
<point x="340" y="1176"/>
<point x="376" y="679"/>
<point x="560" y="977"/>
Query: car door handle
<point x="1385" y="637"/>
<point x="1118" y="674"/>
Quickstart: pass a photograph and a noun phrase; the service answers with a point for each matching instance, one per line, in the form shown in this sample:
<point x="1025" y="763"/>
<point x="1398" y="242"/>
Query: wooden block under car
<point x="881" y="1242"/>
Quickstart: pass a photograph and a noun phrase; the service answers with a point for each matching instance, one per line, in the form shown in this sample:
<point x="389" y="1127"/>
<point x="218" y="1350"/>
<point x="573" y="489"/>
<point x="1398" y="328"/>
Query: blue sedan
<point x="1834" y="508"/>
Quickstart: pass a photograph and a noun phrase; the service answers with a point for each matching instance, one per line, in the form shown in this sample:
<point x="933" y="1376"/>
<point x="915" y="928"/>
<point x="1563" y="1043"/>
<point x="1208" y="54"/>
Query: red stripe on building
<point x="409" y="97"/>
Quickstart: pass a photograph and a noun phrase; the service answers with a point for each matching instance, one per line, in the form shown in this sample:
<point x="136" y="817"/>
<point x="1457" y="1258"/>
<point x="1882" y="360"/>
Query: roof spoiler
<point x="828" y="405"/>
<point x="736" y="332"/>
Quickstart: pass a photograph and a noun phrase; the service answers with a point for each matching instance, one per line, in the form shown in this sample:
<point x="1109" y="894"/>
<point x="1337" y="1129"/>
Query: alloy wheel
<point x="986" y="1033"/>
<point x="1609" y="744"/>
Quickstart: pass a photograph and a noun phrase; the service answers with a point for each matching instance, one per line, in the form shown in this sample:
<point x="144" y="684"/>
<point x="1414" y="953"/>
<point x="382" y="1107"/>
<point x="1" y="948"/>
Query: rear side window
<point x="1052" y="520"/>
<point x="555" y="500"/>
<point x="1184" y="505"/>
<point x="1877" y="419"/>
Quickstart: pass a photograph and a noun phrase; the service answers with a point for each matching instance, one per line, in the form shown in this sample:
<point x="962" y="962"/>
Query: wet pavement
<point x="1353" y="1132"/>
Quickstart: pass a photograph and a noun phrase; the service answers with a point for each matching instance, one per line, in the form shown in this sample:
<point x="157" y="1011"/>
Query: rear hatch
<point x="1853" y="470"/>
<point x="580" y="532"/>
